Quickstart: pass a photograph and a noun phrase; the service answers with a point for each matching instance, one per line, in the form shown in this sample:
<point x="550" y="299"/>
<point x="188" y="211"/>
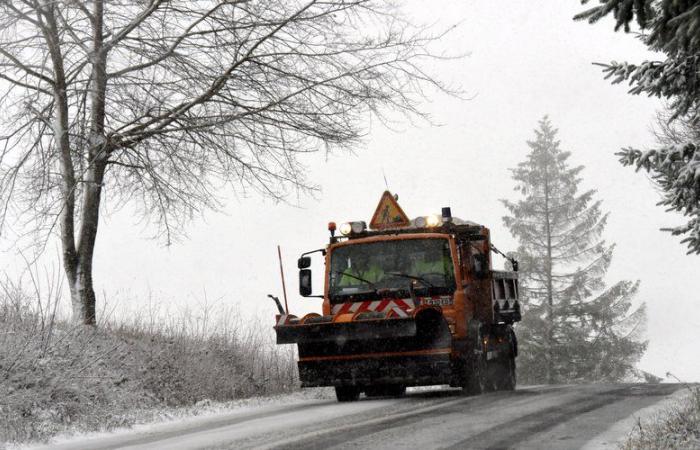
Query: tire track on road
<point x="338" y="434"/>
<point x="342" y="434"/>
<point x="507" y="435"/>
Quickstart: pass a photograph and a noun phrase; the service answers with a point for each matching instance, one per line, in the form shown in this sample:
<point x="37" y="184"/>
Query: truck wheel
<point x="502" y="373"/>
<point x="347" y="393"/>
<point x="492" y="379"/>
<point x="374" y="391"/>
<point x="509" y="379"/>
<point x="396" y="390"/>
<point x="475" y="376"/>
<point x="391" y="390"/>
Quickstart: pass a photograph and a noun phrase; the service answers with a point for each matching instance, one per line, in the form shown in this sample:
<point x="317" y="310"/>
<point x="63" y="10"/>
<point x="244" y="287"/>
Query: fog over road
<point x="537" y="417"/>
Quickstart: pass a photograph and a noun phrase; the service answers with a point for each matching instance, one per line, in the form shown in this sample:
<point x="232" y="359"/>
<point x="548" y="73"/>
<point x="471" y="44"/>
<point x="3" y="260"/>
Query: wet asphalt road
<point x="538" y="417"/>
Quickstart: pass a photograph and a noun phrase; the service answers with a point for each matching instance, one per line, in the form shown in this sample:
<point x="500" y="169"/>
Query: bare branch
<point x="164" y="103"/>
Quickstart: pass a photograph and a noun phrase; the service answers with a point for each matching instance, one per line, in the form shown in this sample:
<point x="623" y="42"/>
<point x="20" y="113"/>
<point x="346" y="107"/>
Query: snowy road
<point x="538" y="417"/>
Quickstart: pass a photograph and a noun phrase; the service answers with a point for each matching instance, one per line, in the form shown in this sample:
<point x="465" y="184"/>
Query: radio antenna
<point x="284" y="287"/>
<point x="386" y="183"/>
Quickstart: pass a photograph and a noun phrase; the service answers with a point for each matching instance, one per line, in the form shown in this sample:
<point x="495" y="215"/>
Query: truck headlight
<point x="353" y="228"/>
<point x="358" y="227"/>
<point x="345" y="229"/>
<point x="432" y="220"/>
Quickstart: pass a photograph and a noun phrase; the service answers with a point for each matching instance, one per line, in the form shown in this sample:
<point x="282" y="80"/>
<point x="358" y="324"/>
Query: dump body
<point x="409" y="306"/>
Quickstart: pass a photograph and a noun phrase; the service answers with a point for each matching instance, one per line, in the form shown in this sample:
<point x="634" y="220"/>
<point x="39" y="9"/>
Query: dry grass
<point x="56" y="377"/>
<point x="679" y="428"/>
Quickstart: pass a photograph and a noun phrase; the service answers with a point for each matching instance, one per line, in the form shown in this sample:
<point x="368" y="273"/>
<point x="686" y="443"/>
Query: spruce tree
<point x="574" y="328"/>
<point x="670" y="29"/>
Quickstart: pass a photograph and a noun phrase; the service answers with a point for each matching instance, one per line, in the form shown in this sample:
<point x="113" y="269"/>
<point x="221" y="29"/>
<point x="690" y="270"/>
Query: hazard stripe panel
<point x="401" y="304"/>
<point x="376" y="306"/>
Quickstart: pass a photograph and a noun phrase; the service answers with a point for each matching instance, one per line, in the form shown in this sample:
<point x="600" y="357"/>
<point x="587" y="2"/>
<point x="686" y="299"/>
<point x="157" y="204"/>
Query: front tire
<point x="396" y="390"/>
<point x="391" y="390"/>
<point x="347" y="393"/>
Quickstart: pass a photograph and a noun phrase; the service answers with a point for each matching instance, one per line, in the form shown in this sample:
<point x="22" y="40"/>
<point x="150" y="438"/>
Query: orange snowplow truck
<point x="407" y="303"/>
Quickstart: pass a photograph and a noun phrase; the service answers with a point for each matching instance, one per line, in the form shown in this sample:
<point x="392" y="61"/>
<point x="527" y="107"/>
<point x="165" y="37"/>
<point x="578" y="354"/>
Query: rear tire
<point x="509" y="379"/>
<point x="347" y="393"/>
<point x="502" y="373"/>
<point x="492" y="376"/>
<point x="475" y="376"/>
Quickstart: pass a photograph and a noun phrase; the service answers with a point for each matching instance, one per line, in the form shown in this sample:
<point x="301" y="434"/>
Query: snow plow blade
<point x="345" y="331"/>
<point x="365" y="350"/>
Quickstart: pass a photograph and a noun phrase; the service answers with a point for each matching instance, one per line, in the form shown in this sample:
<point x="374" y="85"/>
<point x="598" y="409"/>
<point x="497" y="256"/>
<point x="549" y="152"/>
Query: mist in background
<point x="525" y="60"/>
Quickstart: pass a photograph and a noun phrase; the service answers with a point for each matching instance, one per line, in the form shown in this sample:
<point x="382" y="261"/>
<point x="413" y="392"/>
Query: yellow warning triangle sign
<point x="388" y="214"/>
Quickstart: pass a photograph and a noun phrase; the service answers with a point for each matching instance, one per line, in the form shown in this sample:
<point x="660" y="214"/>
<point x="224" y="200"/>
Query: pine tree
<point x="574" y="328"/>
<point x="671" y="28"/>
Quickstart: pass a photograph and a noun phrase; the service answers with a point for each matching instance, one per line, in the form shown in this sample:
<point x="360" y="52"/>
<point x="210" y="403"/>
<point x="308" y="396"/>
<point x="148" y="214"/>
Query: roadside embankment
<point x="57" y="377"/>
<point x="678" y="427"/>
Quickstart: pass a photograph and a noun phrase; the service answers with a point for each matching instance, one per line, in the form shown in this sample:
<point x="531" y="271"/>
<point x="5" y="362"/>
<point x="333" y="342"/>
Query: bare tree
<point x="163" y="102"/>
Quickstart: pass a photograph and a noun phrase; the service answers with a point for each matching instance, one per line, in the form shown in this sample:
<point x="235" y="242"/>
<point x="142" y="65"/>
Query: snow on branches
<point x="670" y="27"/>
<point x="676" y="80"/>
<point x="676" y="169"/>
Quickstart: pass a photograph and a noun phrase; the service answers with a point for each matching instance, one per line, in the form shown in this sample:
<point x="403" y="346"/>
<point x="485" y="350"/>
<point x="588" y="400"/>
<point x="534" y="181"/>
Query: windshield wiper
<point x="412" y="277"/>
<point x="371" y="285"/>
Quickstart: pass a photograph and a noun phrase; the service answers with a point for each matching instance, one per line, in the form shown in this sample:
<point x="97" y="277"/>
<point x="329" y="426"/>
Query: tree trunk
<point x="550" y="301"/>
<point x="83" y="296"/>
<point x="78" y="268"/>
<point x="80" y="277"/>
<point x="80" y="273"/>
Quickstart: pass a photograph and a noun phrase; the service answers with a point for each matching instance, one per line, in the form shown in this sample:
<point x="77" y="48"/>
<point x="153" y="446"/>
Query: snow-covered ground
<point x="170" y="419"/>
<point x="530" y="417"/>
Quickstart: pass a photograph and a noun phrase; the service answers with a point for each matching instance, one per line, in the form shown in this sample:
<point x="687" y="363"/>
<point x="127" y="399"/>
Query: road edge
<point x="621" y="430"/>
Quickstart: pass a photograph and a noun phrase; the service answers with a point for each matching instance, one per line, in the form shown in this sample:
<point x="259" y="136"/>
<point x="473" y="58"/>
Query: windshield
<point x="379" y="268"/>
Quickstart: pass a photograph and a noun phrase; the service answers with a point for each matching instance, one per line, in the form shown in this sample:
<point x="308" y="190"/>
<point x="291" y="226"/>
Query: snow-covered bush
<point x="57" y="377"/>
<point x="678" y="428"/>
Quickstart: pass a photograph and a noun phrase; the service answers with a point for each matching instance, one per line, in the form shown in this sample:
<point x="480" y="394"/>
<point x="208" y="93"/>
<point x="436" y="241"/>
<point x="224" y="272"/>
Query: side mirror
<point x="304" y="262"/>
<point x="481" y="265"/>
<point x="304" y="281"/>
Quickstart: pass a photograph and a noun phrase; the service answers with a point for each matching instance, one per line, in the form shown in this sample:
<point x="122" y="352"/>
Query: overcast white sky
<point x="527" y="59"/>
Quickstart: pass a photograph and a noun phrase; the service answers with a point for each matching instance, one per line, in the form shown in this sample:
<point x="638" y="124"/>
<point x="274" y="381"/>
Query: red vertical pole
<point x="284" y="287"/>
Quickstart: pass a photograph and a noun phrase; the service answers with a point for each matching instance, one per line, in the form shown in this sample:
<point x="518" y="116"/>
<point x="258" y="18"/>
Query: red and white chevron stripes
<point x="399" y="305"/>
<point x="378" y="305"/>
